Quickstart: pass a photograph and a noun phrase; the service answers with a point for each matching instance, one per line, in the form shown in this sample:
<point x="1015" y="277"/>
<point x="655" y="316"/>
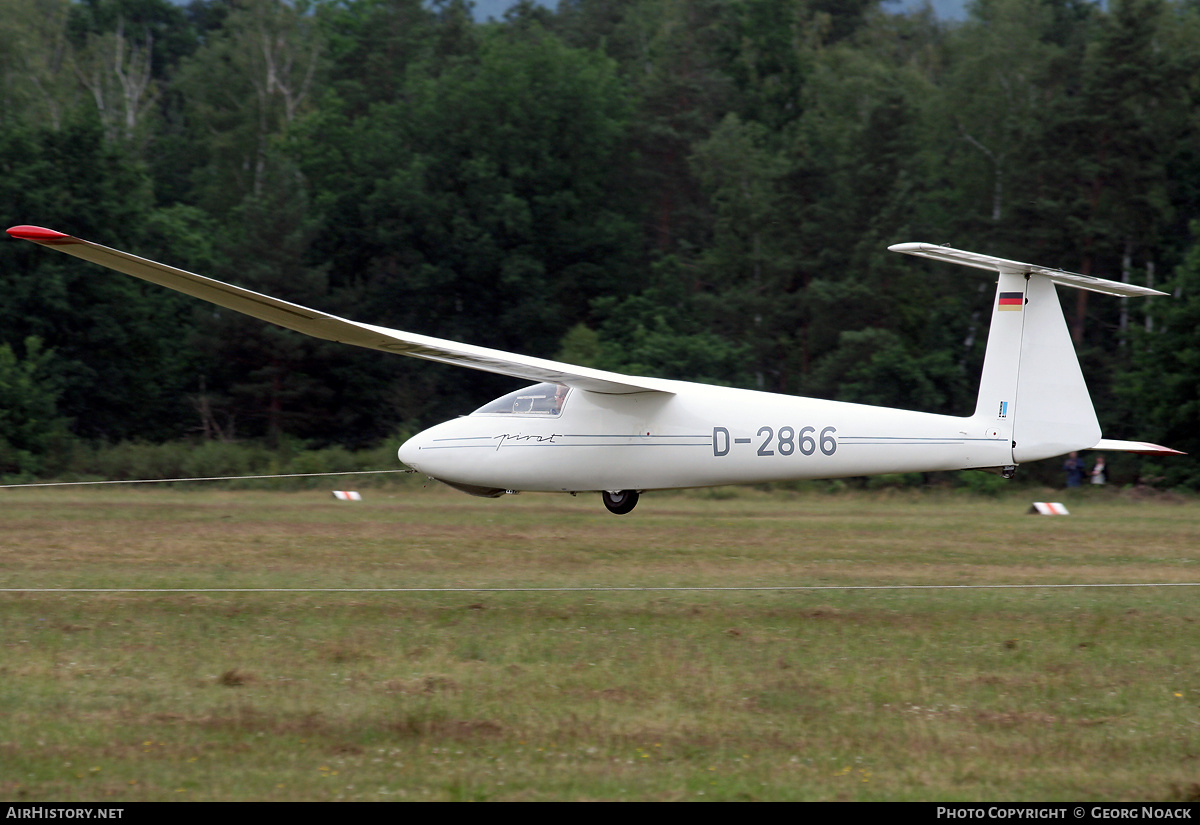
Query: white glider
<point x="582" y="429"/>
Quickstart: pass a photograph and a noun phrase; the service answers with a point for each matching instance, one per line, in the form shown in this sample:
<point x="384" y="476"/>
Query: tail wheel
<point x="620" y="502"/>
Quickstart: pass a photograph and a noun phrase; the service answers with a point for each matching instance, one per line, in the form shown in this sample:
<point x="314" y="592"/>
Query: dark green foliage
<point x="30" y="427"/>
<point x="873" y="366"/>
<point x="169" y="27"/>
<point x="220" y="459"/>
<point x="115" y="338"/>
<point x="372" y="44"/>
<point x="1163" y="387"/>
<point x="272" y="378"/>
<point x="480" y="205"/>
<point x="657" y="332"/>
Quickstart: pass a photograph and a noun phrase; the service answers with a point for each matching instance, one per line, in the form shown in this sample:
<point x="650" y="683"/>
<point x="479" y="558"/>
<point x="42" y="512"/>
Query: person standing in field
<point x="1099" y="471"/>
<point x="1073" y="467"/>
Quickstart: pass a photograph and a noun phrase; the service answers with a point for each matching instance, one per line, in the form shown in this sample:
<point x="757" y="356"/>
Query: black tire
<point x="620" y="502"/>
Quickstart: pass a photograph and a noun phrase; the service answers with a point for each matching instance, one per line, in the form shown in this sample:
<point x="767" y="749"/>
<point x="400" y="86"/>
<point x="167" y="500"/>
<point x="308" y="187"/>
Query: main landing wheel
<point x="620" y="502"/>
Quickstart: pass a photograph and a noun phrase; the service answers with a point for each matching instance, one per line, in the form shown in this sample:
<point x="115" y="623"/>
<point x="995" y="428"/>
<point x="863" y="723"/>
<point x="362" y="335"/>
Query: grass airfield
<point x="823" y="694"/>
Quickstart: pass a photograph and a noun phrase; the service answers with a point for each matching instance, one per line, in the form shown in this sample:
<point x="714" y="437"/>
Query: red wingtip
<point x="38" y="234"/>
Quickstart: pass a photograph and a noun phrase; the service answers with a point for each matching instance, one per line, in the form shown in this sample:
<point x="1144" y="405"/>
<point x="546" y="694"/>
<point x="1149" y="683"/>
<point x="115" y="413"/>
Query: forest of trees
<point x="700" y="189"/>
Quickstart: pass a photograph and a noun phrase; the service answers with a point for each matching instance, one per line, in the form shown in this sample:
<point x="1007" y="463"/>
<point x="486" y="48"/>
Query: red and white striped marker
<point x="1048" y="508"/>
<point x="346" y="495"/>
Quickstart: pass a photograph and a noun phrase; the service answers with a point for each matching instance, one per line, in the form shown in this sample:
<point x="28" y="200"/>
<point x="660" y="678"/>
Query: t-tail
<point x="1032" y="390"/>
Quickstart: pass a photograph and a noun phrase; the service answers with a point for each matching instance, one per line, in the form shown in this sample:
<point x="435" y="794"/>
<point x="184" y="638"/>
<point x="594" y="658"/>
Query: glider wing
<point x="332" y="328"/>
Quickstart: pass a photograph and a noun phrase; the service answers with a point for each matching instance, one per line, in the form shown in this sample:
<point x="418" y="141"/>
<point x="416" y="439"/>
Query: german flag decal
<point x="1010" y="302"/>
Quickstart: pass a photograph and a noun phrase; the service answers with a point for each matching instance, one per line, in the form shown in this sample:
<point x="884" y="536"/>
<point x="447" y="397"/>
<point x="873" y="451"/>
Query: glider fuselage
<point x="694" y="436"/>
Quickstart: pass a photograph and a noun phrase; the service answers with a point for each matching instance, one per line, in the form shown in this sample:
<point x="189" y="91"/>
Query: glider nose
<point x="408" y="453"/>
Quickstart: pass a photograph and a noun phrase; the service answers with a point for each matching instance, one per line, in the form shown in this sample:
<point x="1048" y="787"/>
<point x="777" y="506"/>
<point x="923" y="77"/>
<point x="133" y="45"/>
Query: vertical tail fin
<point x="1055" y="414"/>
<point x="1032" y="389"/>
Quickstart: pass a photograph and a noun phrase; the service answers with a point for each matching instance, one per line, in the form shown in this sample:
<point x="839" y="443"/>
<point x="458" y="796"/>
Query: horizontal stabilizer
<point x="993" y="264"/>
<point x="1139" y="447"/>
<point x="332" y="328"/>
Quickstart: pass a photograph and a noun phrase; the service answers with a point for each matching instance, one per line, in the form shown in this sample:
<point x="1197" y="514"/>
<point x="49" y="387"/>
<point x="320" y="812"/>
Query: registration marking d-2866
<point x="787" y="441"/>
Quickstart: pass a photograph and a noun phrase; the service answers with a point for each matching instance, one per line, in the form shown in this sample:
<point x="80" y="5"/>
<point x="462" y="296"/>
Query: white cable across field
<point x="206" y="478"/>
<point x="572" y="589"/>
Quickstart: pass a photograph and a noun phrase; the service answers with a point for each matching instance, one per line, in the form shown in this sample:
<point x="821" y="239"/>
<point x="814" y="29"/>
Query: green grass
<point x="1050" y="694"/>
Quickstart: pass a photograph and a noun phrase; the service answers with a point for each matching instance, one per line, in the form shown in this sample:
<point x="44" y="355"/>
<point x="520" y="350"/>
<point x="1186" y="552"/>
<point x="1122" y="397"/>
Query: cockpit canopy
<point x="541" y="400"/>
